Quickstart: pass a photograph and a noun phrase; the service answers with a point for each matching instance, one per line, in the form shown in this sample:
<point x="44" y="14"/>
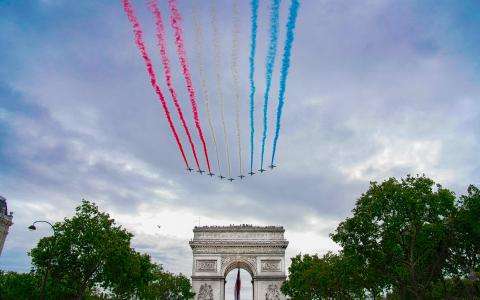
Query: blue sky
<point x="376" y="89"/>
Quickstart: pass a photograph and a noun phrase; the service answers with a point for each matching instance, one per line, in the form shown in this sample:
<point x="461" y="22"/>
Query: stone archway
<point x="258" y="249"/>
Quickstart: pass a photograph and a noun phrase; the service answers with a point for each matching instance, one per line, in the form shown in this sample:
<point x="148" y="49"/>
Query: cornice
<point x="239" y="228"/>
<point x="238" y="243"/>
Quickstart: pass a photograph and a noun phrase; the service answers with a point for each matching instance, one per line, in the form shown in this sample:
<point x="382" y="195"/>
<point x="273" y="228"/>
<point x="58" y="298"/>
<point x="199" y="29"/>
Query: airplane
<point x="189" y="169"/>
<point x="262" y="170"/>
<point x="241" y="176"/>
<point x="200" y="171"/>
<point x="221" y="177"/>
<point x="231" y="179"/>
<point x="272" y="166"/>
<point x="210" y="174"/>
<point x="251" y="173"/>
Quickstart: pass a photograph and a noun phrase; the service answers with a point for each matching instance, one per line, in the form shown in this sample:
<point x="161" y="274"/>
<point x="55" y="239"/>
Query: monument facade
<point x="260" y="250"/>
<point x="5" y="221"/>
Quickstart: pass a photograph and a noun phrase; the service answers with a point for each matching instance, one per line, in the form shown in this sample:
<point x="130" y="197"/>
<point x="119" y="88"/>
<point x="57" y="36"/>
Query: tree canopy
<point x="411" y="238"/>
<point x="90" y="256"/>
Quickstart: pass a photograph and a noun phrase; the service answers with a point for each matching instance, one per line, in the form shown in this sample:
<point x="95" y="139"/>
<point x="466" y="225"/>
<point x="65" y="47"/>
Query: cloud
<point x="374" y="91"/>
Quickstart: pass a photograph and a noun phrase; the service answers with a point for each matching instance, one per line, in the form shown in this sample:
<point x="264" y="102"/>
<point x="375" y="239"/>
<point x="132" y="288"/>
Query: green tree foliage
<point x="401" y="232"/>
<point x="466" y="249"/>
<point x="408" y="238"/>
<point x="164" y="285"/>
<point x="328" y="277"/>
<point x="18" y="286"/>
<point x="89" y="253"/>
<point x="84" y="250"/>
<point x="14" y="286"/>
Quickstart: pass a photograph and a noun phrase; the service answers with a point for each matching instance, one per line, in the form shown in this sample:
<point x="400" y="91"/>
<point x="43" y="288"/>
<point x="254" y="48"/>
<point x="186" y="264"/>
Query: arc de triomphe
<point x="217" y="250"/>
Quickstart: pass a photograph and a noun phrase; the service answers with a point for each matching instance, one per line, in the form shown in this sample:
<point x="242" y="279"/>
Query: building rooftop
<point x="236" y="228"/>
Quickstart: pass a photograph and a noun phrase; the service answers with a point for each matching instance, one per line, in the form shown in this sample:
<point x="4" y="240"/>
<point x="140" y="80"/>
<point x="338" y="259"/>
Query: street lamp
<point x="44" y="281"/>
<point x="33" y="227"/>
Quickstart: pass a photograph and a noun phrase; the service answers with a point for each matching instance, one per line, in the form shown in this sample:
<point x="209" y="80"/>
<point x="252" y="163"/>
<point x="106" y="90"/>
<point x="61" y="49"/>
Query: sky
<point x="376" y="89"/>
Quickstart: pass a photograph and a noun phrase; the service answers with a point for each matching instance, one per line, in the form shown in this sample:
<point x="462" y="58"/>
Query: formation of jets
<point x="241" y="176"/>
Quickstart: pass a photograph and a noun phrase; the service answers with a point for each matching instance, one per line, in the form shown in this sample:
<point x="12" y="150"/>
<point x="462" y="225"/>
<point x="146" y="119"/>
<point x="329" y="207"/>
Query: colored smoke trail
<point x="175" y="19"/>
<point x="272" y="52"/>
<point x="203" y="83"/>
<point x="251" y="59"/>
<point x="292" y="18"/>
<point x="127" y="6"/>
<point x="216" y="47"/>
<point x="152" y="4"/>
<point x="236" y="84"/>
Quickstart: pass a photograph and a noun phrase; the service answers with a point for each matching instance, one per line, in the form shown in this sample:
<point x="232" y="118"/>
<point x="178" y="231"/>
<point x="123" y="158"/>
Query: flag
<point x="237" y="286"/>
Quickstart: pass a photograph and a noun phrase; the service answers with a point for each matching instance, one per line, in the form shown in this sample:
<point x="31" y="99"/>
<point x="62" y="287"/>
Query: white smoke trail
<point x="203" y="83"/>
<point x="236" y="84"/>
<point x="216" y="47"/>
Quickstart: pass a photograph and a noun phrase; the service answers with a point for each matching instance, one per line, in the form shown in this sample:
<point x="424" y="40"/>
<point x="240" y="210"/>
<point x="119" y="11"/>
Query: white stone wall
<point x="217" y="288"/>
<point x="268" y="290"/>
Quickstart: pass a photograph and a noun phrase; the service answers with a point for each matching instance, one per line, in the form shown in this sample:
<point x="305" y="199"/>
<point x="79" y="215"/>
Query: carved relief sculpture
<point x="271" y="265"/>
<point x="272" y="292"/>
<point x="205" y="293"/>
<point x="206" y="265"/>
<point x="228" y="259"/>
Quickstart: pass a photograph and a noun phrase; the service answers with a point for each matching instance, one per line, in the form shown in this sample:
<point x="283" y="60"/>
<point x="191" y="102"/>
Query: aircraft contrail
<point x="203" y="83"/>
<point x="272" y="52"/>
<point x="152" y="4"/>
<point x="175" y="21"/>
<point x="127" y="6"/>
<point x="253" y="45"/>
<point x="216" y="47"/>
<point x="236" y="84"/>
<point x="292" y="18"/>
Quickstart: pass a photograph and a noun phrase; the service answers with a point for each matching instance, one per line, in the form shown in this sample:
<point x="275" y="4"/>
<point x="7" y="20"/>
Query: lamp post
<point x="33" y="227"/>
<point x="45" y="276"/>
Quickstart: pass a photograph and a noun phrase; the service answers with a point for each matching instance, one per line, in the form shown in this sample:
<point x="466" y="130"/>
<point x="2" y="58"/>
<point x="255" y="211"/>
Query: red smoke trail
<point x="152" y="4"/>
<point x="127" y="6"/>
<point x="175" y="20"/>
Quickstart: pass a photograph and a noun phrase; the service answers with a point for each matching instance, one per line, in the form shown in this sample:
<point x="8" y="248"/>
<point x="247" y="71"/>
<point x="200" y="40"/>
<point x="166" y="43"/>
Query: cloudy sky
<point x="376" y="89"/>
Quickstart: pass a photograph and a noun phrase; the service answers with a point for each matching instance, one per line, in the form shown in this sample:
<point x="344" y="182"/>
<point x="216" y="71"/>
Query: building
<point x="5" y="221"/>
<point x="217" y="250"/>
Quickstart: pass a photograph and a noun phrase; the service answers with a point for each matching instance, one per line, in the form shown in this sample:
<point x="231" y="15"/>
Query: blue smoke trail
<point x="292" y="17"/>
<point x="253" y="46"/>
<point x="272" y="52"/>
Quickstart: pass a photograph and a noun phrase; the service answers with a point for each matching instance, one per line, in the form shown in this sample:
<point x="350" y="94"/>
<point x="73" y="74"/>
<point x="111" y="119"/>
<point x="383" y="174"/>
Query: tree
<point x="89" y="252"/>
<point x="164" y="285"/>
<point x="466" y="249"/>
<point x="18" y="286"/>
<point x="82" y="249"/>
<point x="331" y="276"/>
<point x="15" y="286"/>
<point x="401" y="231"/>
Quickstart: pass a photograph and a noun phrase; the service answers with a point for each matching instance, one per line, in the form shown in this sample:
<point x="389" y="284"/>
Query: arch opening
<point x="242" y="265"/>
<point x="246" y="280"/>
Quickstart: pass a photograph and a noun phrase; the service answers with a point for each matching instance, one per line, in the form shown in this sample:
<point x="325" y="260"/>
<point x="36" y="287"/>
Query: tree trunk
<point x="44" y="283"/>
